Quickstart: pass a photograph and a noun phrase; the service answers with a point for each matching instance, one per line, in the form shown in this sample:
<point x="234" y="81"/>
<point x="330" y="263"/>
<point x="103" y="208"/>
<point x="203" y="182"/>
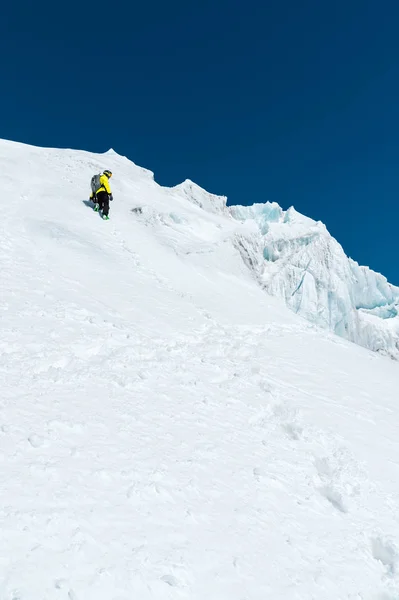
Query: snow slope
<point x="167" y="429"/>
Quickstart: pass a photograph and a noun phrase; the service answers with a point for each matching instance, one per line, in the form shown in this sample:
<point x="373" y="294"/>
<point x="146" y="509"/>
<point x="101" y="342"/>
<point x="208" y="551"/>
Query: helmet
<point x="107" y="173"/>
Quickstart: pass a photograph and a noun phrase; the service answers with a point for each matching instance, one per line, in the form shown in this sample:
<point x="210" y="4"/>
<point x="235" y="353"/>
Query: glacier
<point x="168" y="428"/>
<point x="296" y="259"/>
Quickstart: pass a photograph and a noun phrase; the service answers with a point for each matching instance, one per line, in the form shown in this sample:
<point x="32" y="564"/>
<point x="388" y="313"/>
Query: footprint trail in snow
<point x="167" y="430"/>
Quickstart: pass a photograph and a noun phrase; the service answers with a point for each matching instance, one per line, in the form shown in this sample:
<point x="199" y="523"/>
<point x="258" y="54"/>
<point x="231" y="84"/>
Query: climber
<point x="101" y="193"/>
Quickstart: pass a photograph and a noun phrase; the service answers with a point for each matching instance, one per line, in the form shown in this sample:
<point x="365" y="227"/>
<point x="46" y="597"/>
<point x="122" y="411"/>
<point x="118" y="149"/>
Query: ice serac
<point x="295" y="258"/>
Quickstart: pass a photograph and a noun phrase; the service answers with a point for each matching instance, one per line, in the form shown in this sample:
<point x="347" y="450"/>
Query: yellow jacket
<point x="104" y="187"/>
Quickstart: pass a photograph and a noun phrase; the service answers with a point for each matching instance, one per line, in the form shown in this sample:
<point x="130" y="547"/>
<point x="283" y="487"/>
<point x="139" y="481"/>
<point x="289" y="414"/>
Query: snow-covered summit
<point x="168" y="430"/>
<point x="200" y="197"/>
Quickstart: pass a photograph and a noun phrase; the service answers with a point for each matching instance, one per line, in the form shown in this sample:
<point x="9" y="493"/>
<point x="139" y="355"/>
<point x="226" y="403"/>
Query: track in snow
<point x="167" y="430"/>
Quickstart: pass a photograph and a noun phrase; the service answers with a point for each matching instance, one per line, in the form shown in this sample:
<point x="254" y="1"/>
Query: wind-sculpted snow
<point x="296" y="259"/>
<point x="168" y="430"/>
<point x="200" y="197"/>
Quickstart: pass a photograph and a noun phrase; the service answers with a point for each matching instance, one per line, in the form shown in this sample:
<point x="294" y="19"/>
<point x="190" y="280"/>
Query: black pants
<point x="103" y="201"/>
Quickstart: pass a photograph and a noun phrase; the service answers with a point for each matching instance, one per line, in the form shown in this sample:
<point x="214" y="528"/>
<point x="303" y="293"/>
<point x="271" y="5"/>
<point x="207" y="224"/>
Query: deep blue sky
<point x="295" y="101"/>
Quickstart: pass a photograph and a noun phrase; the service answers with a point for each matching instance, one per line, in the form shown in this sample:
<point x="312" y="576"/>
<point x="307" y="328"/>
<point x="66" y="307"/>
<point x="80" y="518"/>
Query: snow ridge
<point x="200" y="197"/>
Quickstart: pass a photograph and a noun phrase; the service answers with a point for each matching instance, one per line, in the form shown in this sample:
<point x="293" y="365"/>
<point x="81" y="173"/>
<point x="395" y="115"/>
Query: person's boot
<point x="96" y="208"/>
<point x="106" y="217"/>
